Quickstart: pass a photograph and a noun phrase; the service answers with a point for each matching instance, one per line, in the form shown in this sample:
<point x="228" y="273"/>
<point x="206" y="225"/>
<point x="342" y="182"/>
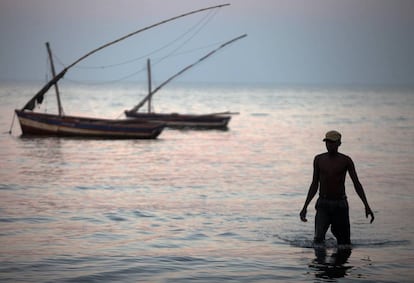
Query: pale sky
<point x="289" y="41"/>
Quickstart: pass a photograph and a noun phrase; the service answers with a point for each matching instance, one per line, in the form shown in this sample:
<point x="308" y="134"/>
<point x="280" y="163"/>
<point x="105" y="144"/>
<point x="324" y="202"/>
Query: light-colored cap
<point x="332" y="136"/>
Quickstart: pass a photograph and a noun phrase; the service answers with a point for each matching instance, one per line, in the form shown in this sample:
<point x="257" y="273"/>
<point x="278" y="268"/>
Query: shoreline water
<point x="206" y="206"/>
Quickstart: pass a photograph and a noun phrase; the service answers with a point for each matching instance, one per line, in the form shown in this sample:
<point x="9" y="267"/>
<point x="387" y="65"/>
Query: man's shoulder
<point x="326" y="154"/>
<point x="319" y="158"/>
<point x="321" y="155"/>
<point x="344" y="156"/>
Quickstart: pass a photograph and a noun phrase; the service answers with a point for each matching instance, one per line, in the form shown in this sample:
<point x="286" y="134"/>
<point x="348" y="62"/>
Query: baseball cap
<point x="332" y="136"/>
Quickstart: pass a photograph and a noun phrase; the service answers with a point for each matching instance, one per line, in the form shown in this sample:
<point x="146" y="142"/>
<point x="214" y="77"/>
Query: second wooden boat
<point x="177" y="120"/>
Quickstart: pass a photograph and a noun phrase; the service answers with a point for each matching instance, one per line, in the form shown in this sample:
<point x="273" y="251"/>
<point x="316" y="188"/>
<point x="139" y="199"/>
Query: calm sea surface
<point x="205" y="206"/>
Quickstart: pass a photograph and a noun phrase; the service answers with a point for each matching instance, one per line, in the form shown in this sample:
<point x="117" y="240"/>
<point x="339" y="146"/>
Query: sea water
<point x="206" y="206"/>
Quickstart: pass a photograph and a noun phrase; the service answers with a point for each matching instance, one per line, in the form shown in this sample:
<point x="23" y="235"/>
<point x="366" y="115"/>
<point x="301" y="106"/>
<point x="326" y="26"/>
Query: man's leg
<point x="340" y="224"/>
<point x="322" y="221"/>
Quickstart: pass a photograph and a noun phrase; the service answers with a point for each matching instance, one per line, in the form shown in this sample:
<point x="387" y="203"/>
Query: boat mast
<point x="149" y="85"/>
<point x="52" y="66"/>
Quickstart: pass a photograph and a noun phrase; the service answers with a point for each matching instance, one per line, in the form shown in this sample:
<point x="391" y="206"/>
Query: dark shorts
<point x="334" y="213"/>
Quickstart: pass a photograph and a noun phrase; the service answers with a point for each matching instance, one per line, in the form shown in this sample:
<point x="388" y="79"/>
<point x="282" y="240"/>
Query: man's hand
<point x="368" y="212"/>
<point x="303" y="215"/>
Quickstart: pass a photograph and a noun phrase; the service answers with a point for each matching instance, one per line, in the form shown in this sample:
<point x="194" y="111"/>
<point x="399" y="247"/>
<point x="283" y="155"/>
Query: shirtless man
<point x="329" y="172"/>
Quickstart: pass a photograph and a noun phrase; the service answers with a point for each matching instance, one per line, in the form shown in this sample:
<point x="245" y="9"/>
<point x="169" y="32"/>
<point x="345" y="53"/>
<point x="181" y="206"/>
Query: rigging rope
<point x="143" y="69"/>
<point x="59" y="61"/>
<point x="192" y="32"/>
<point x="181" y="45"/>
<point x="202" y="23"/>
<point x="12" y="123"/>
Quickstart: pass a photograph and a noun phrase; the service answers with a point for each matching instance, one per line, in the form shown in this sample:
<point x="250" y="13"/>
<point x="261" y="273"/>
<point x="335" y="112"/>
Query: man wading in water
<point x="329" y="172"/>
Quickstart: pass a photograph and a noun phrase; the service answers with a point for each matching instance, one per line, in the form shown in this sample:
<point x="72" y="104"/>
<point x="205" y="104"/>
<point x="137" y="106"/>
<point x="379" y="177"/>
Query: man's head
<point x="333" y="141"/>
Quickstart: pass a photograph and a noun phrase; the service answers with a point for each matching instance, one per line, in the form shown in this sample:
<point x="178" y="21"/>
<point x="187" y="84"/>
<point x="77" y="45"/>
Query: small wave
<point x="165" y="246"/>
<point x="142" y="214"/>
<point x="82" y="188"/>
<point x="86" y="219"/>
<point x="181" y="259"/>
<point x="26" y="219"/>
<point x="115" y="217"/>
<point x="86" y="188"/>
<point x="259" y="114"/>
<point x="228" y="234"/>
<point x="197" y="236"/>
<point x="7" y="187"/>
<point x="301" y="242"/>
<point x="305" y="242"/>
<point x="134" y="269"/>
<point x="380" y="243"/>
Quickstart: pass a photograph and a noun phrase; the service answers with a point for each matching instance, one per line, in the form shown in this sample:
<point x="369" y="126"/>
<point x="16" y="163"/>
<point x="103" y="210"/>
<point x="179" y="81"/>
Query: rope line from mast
<point x="142" y="69"/>
<point x="192" y="32"/>
<point x="202" y="23"/>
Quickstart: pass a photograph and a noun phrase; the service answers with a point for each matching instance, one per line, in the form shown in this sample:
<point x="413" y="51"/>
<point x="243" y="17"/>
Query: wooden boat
<point x="177" y="120"/>
<point x="183" y="121"/>
<point x="40" y="124"/>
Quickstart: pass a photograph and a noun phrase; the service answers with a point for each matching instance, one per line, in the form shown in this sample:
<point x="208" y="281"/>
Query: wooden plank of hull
<point x="52" y="125"/>
<point x="184" y="120"/>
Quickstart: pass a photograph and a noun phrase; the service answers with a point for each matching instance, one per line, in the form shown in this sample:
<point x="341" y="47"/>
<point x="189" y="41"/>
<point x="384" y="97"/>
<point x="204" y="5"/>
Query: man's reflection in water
<point x="331" y="266"/>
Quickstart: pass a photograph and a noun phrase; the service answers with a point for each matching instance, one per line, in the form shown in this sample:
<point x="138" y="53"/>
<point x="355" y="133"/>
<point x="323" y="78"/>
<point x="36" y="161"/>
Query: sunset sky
<point x="289" y="41"/>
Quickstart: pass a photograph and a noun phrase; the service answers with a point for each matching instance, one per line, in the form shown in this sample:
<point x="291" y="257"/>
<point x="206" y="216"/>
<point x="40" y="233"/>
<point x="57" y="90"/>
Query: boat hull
<point x="192" y="121"/>
<point x="39" y="124"/>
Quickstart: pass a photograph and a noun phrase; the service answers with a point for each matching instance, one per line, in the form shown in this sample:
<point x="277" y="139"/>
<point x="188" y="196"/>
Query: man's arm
<point x="359" y="189"/>
<point x="312" y="189"/>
